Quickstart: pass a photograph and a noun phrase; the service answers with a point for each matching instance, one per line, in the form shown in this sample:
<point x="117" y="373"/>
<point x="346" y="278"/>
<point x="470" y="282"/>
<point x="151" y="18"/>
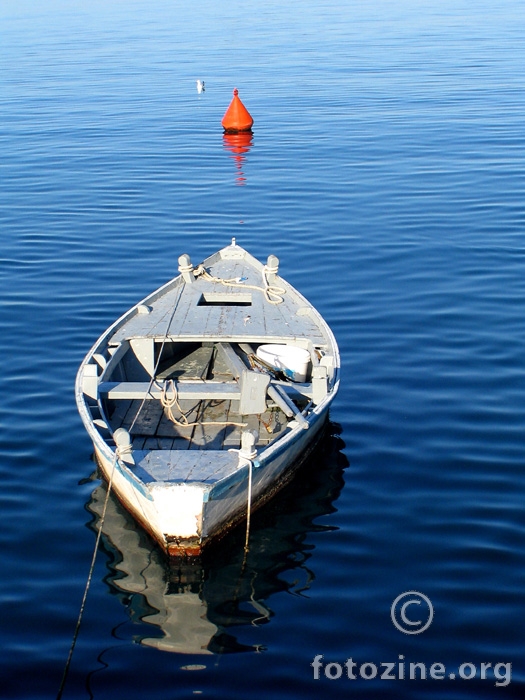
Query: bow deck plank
<point x="174" y="466"/>
<point x="192" y="320"/>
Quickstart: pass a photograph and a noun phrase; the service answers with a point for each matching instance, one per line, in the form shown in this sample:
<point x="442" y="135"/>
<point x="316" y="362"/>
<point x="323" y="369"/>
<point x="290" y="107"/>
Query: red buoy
<point x="237" y="117"/>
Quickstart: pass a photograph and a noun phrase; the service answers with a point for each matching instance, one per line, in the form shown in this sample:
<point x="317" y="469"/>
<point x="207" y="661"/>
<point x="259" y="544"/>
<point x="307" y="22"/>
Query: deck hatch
<point x="218" y="299"/>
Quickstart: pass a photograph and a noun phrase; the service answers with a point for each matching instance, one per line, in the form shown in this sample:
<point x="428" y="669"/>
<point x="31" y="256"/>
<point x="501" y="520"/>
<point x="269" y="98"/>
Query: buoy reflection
<point x="239" y="145"/>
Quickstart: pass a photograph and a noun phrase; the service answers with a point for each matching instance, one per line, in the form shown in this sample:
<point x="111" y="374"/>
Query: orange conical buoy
<point x="237" y="117"/>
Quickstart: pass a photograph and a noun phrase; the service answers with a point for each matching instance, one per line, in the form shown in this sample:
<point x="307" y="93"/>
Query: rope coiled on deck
<point x="272" y="292"/>
<point x="169" y="402"/>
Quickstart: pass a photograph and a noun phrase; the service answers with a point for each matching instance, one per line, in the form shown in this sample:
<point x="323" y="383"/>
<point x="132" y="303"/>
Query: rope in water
<point x="119" y="452"/>
<point x="273" y="293"/>
<point x="248" y="506"/>
<point x="244" y="460"/>
<point x="90" y="576"/>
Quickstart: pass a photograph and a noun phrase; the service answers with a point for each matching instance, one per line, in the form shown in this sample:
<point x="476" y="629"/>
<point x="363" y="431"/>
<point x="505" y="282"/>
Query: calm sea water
<point x="387" y="172"/>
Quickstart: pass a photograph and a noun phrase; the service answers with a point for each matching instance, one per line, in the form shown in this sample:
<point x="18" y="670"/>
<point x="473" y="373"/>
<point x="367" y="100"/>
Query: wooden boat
<point x="204" y="398"/>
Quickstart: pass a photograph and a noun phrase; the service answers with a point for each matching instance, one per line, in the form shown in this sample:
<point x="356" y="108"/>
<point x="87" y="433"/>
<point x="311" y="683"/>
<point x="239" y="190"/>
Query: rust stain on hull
<point x="180" y="548"/>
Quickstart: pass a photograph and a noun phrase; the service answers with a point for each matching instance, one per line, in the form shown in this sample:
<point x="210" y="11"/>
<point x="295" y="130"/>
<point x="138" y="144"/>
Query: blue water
<point x="387" y="172"/>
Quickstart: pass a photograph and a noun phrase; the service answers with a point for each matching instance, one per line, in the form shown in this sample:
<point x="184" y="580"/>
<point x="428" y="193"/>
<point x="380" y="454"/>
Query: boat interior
<point x="203" y="395"/>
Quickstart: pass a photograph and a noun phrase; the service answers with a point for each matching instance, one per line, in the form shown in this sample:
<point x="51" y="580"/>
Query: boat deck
<point x="206" y="309"/>
<point x="153" y="430"/>
<point x="205" y="333"/>
<point x="173" y="466"/>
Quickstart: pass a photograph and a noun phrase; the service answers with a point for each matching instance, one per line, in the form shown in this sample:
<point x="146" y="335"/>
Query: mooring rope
<point x="248" y="506"/>
<point x="119" y="452"/>
<point x="246" y="461"/>
<point x="90" y="576"/>
<point x="158" y="361"/>
<point x="248" y="516"/>
<point x="272" y="292"/>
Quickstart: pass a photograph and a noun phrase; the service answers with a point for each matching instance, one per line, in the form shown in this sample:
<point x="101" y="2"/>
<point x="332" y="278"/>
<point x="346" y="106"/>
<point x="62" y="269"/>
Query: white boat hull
<point x="184" y="518"/>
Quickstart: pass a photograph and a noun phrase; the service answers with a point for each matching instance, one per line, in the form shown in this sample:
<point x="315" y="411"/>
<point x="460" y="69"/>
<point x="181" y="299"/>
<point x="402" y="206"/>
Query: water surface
<point x="386" y="171"/>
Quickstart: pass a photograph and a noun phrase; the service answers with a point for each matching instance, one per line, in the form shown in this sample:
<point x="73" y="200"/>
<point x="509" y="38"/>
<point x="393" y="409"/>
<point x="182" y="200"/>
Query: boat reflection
<point x="193" y="607"/>
<point x="239" y="145"/>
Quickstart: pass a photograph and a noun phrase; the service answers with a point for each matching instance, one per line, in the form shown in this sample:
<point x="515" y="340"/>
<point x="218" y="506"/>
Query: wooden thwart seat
<point x="185" y="390"/>
<point x="197" y="390"/>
